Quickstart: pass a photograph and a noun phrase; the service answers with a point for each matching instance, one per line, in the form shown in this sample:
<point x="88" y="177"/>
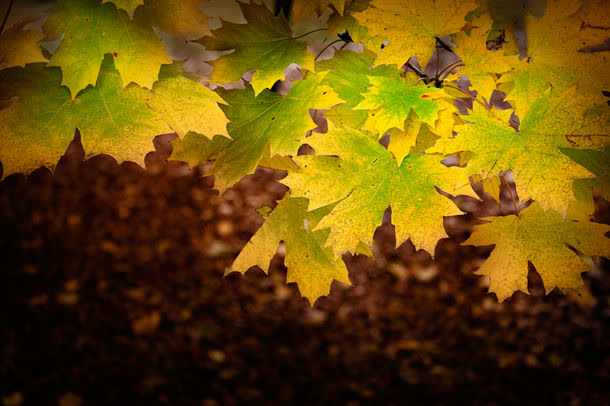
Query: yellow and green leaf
<point x="537" y="236"/>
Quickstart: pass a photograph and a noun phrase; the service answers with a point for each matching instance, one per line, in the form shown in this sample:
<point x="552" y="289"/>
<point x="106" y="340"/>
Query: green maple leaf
<point x="265" y="43"/>
<point x="186" y="104"/>
<point x="541" y="171"/>
<point x="127" y="5"/>
<point x="339" y="23"/>
<point x="269" y="120"/>
<point x="411" y="25"/>
<point x="310" y="265"/>
<point x="90" y="30"/>
<point x="195" y="148"/>
<point x="365" y="179"/>
<point x="539" y="237"/>
<point x="19" y="47"/>
<point x="390" y="98"/>
<point x="38" y="127"/>
<point x="347" y="74"/>
<point x="406" y="107"/>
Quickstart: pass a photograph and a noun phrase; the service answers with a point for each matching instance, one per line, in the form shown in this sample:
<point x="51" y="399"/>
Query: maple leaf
<point x="90" y="30"/>
<point x="512" y="10"/>
<point x="364" y="180"/>
<point x="480" y="64"/>
<point x="405" y="107"/>
<point x="265" y="43"/>
<point x="347" y="74"/>
<point x="310" y="265"/>
<point x="279" y="121"/>
<point x="593" y="16"/>
<point x="417" y="136"/>
<point x="539" y="237"/>
<point x="338" y="5"/>
<point x="186" y="104"/>
<point x="179" y="18"/>
<point x="555" y="61"/>
<point x="541" y="171"/>
<point x="301" y="9"/>
<point x="491" y="185"/>
<point x="345" y="22"/>
<point x="411" y="25"/>
<point x="127" y="5"/>
<point x="390" y="98"/>
<point x="19" y="46"/>
<point x="195" y="148"/>
<point x="37" y="128"/>
<point x="596" y="162"/>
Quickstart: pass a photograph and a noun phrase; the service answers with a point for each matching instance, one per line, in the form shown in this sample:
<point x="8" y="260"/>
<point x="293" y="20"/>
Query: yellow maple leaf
<point x="555" y="61"/>
<point x="179" y="18"/>
<point x="18" y="46"/>
<point x="127" y="5"/>
<point x="539" y="237"/>
<point x="411" y="25"/>
<point x="481" y="65"/>
<point x="310" y="265"/>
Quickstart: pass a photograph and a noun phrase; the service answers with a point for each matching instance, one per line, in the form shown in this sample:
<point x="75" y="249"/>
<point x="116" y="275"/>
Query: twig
<point x="8" y="11"/>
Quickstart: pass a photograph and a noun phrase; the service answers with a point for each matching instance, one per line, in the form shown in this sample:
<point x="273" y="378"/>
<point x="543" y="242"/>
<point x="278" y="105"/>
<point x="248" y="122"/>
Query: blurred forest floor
<point x="112" y="293"/>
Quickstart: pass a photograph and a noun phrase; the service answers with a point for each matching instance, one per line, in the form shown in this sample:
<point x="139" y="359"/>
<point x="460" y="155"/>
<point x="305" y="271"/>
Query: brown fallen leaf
<point x="14" y="399"/>
<point x="146" y="324"/>
<point x="69" y="399"/>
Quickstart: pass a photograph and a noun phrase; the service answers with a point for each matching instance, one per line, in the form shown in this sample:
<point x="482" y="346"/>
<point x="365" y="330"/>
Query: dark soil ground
<point x="112" y="293"/>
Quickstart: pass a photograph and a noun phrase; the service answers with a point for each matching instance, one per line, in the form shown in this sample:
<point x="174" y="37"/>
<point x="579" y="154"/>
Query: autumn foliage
<point x="391" y="122"/>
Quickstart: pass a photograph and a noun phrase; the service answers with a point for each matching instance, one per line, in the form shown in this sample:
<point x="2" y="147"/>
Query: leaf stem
<point x="417" y="71"/>
<point x="8" y="11"/>
<point x="511" y="195"/>
<point x="443" y="45"/>
<point x="310" y="32"/>
<point x="437" y="61"/>
<point x="469" y="95"/>
<point x="326" y="47"/>
<point x="447" y="69"/>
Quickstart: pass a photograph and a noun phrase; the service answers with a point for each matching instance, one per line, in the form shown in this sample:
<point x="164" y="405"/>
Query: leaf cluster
<point x="402" y="86"/>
